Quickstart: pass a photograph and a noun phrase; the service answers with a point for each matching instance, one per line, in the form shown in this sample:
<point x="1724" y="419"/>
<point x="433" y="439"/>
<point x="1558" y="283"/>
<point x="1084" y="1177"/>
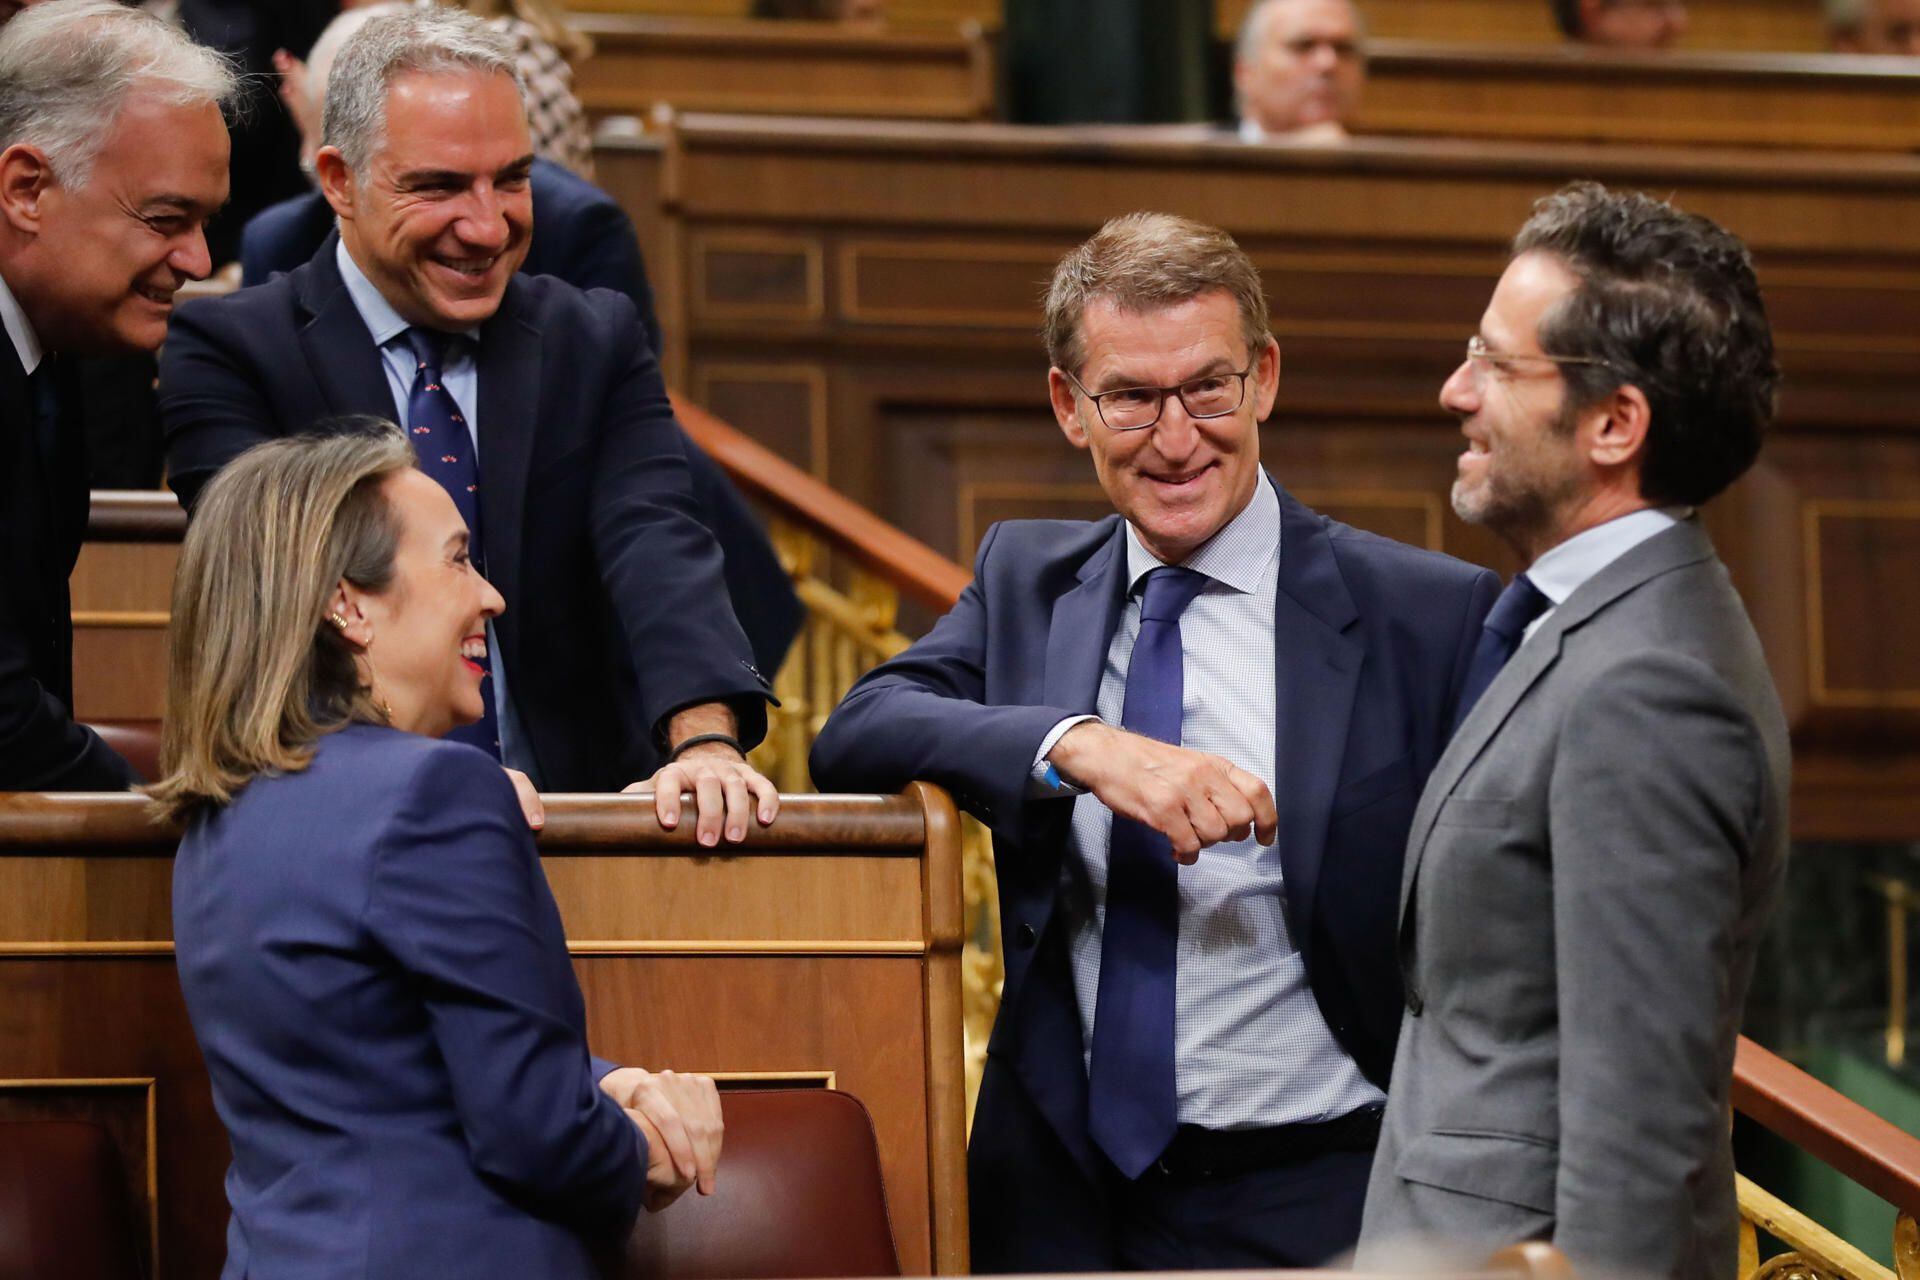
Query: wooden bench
<point x="782" y="69"/>
<point x="823" y="952"/>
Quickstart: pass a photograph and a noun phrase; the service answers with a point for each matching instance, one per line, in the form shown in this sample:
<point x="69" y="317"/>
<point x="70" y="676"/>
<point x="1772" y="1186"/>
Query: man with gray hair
<point x="1298" y="70"/>
<point x="1200" y="1002"/>
<point x="113" y="155"/>
<point x="537" y="405"/>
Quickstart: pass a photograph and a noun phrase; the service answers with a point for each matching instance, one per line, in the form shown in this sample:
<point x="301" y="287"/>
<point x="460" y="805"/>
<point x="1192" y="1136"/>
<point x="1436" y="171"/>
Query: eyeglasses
<point x="1137" y="408"/>
<point x="1485" y="359"/>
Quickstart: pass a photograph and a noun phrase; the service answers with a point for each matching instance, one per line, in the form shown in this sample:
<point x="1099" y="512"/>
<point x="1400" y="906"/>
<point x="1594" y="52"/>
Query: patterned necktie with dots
<point x="445" y="448"/>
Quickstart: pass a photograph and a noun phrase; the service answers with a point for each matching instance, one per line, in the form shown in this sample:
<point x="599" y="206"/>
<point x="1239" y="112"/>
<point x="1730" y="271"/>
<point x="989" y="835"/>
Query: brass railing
<point x="1824" y="1123"/>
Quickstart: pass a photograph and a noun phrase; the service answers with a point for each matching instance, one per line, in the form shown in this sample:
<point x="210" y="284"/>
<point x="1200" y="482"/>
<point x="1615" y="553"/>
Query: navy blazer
<point x="617" y="611"/>
<point x="43" y="518"/>
<point x="380" y="986"/>
<point x="583" y="236"/>
<point x="1372" y="639"/>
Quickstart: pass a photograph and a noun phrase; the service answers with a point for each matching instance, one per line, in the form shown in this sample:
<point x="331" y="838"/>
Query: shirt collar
<point x="1236" y="556"/>
<point x="1564" y="569"/>
<point x="382" y="321"/>
<point x="26" y="343"/>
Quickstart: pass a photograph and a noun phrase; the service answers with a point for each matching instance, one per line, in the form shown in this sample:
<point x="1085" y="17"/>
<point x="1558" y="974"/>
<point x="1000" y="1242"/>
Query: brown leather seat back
<point x="63" y="1204"/>
<point x="798" y="1195"/>
<point x="137" y="741"/>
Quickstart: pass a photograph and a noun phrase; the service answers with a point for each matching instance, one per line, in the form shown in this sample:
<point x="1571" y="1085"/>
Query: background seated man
<point x="1298" y="69"/>
<point x="1622" y="24"/>
<point x="538" y="406"/>
<point x="1874" y="26"/>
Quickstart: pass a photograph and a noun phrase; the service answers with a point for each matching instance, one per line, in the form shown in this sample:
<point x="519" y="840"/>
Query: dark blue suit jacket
<point x="617" y="613"/>
<point x="380" y="986"/>
<point x="1372" y="640"/>
<point x="582" y="235"/>
<point x="43" y="518"/>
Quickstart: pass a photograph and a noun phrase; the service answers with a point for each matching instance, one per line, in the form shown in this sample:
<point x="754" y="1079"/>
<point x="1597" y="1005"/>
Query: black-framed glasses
<point x="1137" y="408"/>
<point x="1483" y="358"/>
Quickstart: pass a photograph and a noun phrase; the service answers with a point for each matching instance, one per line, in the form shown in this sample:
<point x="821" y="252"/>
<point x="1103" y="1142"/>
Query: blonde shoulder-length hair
<point x="256" y="674"/>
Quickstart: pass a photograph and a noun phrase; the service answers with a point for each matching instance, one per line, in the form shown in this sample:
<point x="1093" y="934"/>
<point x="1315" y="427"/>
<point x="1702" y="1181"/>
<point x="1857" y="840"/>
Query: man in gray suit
<point x="1595" y="854"/>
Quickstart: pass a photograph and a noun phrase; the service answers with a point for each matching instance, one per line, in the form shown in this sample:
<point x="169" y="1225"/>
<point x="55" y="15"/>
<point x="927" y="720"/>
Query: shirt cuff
<point x="1043" y="780"/>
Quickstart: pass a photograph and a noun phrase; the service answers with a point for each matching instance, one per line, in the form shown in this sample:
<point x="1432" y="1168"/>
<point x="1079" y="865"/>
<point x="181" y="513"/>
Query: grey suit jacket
<point x="1587" y="877"/>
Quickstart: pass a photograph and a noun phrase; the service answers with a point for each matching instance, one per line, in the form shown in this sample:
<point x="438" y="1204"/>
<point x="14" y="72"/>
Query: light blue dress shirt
<point x="1251" y="1046"/>
<point x="461" y="377"/>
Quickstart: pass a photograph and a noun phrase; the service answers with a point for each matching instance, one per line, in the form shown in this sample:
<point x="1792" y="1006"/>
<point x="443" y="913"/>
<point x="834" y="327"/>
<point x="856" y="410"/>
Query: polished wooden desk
<point x="863" y="298"/>
<point x="1771" y="25"/>
<point x="780" y="68"/>
<point x="825" y="951"/>
<point x="1570" y="93"/>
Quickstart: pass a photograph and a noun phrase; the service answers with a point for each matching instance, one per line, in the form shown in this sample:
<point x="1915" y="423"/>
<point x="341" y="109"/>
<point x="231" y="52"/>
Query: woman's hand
<point x="680" y="1117"/>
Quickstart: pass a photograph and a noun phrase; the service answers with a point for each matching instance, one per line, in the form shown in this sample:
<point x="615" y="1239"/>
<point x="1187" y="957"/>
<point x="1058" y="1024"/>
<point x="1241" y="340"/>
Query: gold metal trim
<point x="1812" y="512"/>
<point x="819" y="445"/>
<point x="704" y="307"/>
<point x="824" y="1079"/>
<point x="584" y="947"/>
<point x="748" y="947"/>
<point x="151" y="1085"/>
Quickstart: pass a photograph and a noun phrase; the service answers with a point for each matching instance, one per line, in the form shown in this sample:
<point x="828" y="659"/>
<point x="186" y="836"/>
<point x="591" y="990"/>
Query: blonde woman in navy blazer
<point x="371" y="956"/>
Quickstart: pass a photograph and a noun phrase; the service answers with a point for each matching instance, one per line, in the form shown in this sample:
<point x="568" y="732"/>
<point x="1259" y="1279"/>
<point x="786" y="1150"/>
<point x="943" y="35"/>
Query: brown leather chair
<point x="63" y="1204"/>
<point x="137" y="741"/>
<point x="798" y="1195"/>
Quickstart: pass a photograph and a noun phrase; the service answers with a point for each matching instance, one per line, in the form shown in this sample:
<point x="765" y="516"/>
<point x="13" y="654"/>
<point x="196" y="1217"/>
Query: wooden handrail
<point x="135" y="515"/>
<point x="911" y="565"/>
<point x="72" y="821"/>
<point x="1825" y="1123"/>
<point x="962" y="38"/>
<point x="138" y="515"/>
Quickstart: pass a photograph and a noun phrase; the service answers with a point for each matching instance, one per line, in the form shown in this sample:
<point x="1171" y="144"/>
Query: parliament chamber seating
<point x="799" y="1195"/>
<point x="64" y="1207"/>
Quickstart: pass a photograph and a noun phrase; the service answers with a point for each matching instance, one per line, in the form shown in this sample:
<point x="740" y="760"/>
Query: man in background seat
<point x="1299" y="68"/>
<point x="1622" y="24"/>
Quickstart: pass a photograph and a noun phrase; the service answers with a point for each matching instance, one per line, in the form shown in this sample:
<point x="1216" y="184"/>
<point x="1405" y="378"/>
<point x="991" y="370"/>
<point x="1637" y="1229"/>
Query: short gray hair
<point x="327" y="46"/>
<point x="1253" y="27"/>
<point x="428" y="40"/>
<point x="68" y="67"/>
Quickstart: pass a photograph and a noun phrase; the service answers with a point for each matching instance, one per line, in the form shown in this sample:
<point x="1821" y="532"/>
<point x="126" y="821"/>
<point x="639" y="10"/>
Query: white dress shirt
<point x="460" y="375"/>
<point x="1251" y="1046"/>
<point x="26" y="343"/>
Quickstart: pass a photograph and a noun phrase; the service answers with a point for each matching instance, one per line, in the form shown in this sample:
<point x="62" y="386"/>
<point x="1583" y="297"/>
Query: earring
<point x="337" y="620"/>
<point x="373" y="686"/>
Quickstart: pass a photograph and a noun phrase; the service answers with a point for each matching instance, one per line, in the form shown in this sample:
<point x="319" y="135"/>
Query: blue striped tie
<point x="1132" y="1105"/>
<point x="445" y="448"/>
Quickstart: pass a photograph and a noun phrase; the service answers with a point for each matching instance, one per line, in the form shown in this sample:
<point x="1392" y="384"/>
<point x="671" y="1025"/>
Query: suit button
<point x="1414" y="1003"/>
<point x="1024" y="936"/>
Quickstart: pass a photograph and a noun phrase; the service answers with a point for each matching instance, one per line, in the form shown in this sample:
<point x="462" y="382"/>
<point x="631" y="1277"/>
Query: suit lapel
<point x="509" y="363"/>
<point x="1084" y="620"/>
<point x="1316" y="673"/>
<point x="339" y="351"/>
<point x="1671" y="549"/>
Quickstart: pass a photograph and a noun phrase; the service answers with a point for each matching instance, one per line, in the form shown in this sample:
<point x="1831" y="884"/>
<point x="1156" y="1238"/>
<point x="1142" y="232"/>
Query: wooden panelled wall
<point x="1716" y="24"/>
<point x="825" y="953"/>
<point x="863" y="298"/>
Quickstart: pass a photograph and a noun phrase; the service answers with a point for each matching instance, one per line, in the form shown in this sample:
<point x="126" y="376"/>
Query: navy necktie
<point x="1506" y="623"/>
<point x="445" y="449"/>
<point x="1132" y="1107"/>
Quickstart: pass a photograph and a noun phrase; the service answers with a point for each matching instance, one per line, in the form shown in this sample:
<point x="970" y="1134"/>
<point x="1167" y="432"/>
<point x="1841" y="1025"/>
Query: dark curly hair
<point x="1670" y="301"/>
